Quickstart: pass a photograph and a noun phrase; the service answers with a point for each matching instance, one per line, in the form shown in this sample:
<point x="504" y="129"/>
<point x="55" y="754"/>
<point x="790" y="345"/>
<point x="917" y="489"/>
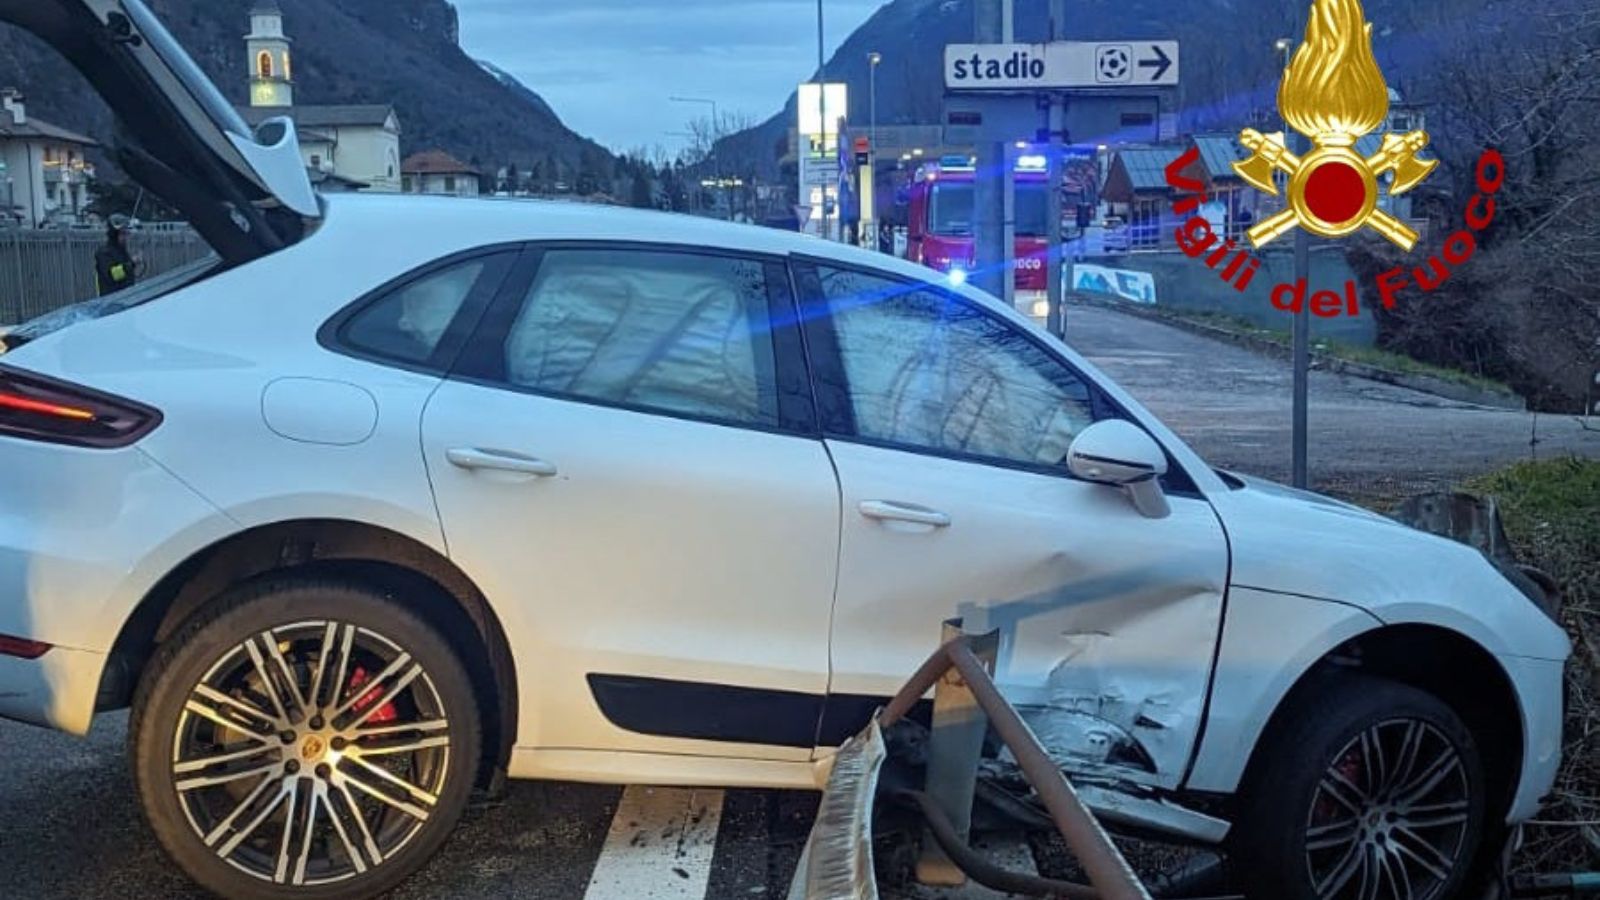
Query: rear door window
<point x="679" y="333"/>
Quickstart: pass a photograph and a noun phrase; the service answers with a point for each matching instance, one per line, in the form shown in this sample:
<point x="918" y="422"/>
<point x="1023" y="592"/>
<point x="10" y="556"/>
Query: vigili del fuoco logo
<point x="1333" y="93"/>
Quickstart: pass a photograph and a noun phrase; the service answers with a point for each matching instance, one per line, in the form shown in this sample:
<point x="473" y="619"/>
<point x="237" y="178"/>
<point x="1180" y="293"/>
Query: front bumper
<point x="1538" y="683"/>
<point x="57" y="690"/>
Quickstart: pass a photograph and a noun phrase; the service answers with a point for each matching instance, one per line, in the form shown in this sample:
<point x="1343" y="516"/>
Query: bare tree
<point x="1527" y="310"/>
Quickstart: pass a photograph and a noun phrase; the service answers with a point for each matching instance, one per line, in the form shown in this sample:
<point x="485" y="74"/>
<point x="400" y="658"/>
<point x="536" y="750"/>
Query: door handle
<point x="889" y="511"/>
<point x="472" y="459"/>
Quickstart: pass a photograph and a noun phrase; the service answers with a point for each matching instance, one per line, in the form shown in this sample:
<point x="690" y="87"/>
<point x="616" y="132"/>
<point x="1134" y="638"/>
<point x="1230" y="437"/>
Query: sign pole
<point x="988" y="202"/>
<point x="1300" y="338"/>
<point x="1008" y="183"/>
<point x="1302" y="359"/>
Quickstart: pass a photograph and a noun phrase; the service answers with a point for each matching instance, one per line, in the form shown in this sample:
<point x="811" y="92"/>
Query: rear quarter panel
<point x="107" y="526"/>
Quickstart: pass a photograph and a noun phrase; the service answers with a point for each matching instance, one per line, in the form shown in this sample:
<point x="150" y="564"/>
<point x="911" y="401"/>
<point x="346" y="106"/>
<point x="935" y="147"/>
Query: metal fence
<point x="45" y="270"/>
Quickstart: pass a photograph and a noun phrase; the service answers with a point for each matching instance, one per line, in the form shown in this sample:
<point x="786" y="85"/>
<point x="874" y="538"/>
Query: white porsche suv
<point x="396" y="496"/>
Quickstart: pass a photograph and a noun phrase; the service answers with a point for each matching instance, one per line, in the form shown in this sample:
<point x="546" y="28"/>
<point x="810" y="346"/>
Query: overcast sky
<point x="608" y="66"/>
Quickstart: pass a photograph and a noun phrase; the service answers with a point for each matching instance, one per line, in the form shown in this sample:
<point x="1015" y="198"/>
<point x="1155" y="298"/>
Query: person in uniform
<point x="114" y="267"/>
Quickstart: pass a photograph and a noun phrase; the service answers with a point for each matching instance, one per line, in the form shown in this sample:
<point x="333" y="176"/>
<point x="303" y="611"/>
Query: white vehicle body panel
<point x="75" y="564"/>
<point x="1108" y="620"/>
<point x="1297" y="542"/>
<point x="57" y="690"/>
<point x="1268" y="643"/>
<point x="646" y="555"/>
<point x="1538" y="685"/>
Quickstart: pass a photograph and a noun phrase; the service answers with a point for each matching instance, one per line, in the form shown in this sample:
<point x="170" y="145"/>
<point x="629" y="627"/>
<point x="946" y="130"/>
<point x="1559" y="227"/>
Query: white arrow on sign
<point x="1064" y="64"/>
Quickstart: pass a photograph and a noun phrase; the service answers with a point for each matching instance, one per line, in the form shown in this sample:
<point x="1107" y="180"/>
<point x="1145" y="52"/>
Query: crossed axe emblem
<point x="1323" y="184"/>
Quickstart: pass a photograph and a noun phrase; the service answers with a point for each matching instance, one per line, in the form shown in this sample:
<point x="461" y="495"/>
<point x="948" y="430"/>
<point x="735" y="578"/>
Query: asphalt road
<point x="69" y="827"/>
<point x="1234" y="407"/>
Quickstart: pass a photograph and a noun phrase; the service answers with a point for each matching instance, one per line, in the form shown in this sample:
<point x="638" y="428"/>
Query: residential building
<point x="348" y="147"/>
<point x="1137" y="193"/>
<point x="44" y="177"/>
<point x="358" y="143"/>
<point x="437" y="172"/>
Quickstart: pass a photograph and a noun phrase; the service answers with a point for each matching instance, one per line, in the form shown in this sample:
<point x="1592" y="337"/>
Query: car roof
<point x="470" y="222"/>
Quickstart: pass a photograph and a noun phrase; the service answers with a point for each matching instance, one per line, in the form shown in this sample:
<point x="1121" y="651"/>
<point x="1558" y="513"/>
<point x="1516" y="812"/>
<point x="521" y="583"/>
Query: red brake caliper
<point x="385" y="713"/>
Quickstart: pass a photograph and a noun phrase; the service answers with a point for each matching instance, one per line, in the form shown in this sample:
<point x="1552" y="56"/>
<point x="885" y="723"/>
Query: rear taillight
<point x="36" y="408"/>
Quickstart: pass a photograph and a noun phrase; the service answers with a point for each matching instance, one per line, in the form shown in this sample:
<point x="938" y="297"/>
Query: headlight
<point x="958" y="276"/>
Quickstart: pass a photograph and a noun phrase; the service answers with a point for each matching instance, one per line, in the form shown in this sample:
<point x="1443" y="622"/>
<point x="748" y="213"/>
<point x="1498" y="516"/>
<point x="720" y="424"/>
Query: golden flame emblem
<point x="1333" y="93"/>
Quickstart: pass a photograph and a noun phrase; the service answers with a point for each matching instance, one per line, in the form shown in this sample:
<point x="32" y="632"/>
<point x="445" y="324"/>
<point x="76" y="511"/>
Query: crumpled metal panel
<point x="837" y="861"/>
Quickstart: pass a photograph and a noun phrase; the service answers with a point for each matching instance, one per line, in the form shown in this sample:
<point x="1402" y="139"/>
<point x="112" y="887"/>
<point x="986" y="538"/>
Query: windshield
<point x="951" y="204"/>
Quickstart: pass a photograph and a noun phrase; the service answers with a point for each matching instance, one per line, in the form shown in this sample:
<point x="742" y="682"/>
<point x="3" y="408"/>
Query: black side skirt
<point x="740" y="715"/>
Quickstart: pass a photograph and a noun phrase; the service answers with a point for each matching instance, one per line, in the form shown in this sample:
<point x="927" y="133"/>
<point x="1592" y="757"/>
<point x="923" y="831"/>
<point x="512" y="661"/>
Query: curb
<point x="1438" y="387"/>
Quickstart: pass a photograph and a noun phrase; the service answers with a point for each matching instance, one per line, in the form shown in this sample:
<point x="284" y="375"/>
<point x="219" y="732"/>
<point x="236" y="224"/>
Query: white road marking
<point x="659" y="847"/>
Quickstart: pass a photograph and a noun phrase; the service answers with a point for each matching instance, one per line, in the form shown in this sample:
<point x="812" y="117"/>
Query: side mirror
<point x="1120" y="454"/>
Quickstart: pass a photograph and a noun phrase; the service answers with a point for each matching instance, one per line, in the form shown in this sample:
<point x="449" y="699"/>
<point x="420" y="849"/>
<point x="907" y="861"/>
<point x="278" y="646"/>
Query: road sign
<point x="1064" y="64"/>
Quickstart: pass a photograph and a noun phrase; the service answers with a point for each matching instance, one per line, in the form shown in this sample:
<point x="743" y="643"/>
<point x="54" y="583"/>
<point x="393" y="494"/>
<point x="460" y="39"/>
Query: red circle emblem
<point x="1335" y="192"/>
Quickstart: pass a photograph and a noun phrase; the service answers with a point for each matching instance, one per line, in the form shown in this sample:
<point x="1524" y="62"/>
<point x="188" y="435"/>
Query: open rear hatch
<point x="247" y="193"/>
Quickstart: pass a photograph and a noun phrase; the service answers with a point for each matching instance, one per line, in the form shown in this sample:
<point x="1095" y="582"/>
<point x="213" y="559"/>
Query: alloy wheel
<point x="311" y="753"/>
<point x="1389" y="817"/>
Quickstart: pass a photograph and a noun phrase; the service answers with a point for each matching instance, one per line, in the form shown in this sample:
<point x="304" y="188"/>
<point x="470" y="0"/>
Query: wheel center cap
<point x="313" y="748"/>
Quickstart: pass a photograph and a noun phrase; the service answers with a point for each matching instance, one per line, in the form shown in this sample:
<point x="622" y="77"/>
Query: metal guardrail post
<point x="1101" y="860"/>
<point x="1108" y="871"/>
<point x="955" y="745"/>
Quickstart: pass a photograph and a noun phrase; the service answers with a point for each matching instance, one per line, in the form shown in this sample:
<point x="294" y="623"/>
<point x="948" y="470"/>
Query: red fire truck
<point x="941" y="219"/>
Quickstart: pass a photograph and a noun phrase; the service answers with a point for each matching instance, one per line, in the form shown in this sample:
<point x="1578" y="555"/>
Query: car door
<point x="949" y="425"/>
<point x="626" y="462"/>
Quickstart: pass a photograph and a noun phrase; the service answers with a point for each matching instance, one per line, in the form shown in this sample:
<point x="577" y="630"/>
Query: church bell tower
<point x="271" y="74"/>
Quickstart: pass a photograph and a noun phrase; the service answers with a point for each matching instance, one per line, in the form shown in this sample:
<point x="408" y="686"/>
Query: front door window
<point x="927" y="371"/>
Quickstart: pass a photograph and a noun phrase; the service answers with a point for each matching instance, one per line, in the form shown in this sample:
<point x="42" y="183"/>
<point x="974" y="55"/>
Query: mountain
<point x="1230" y="70"/>
<point x="404" y="52"/>
<point x="518" y="88"/>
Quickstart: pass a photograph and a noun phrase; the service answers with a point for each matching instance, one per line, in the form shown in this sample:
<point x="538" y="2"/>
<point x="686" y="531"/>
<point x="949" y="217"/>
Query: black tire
<point x="1359" y="729"/>
<point x="425" y="731"/>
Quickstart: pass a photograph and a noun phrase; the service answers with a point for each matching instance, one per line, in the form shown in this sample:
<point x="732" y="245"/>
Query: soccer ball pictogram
<point x="1114" y="63"/>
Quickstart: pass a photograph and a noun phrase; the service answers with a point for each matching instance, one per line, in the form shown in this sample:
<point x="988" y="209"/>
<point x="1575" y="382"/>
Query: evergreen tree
<point x="641" y="196"/>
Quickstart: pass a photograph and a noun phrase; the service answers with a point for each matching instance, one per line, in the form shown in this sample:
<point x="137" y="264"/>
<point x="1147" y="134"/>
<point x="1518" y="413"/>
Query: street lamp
<point x="870" y="189"/>
<point x="694" y="196"/>
<point x="715" y="129"/>
<point x="874" y="59"/>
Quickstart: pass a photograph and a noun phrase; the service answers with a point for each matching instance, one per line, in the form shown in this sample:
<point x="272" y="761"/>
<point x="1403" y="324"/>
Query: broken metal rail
<point x="837" y="861"/>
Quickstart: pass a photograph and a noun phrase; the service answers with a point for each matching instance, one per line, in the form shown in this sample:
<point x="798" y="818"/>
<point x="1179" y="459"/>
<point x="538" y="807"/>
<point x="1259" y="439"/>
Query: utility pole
<point x="1055" y="123"/>
<point x="711" y="153"/>
<point x="1300" y="338"/>
<point x="989" y="204"/>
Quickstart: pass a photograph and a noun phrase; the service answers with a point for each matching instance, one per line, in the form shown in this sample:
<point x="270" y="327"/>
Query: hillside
<point x="1230" y="69"/>
<point x="517" y="87"/>
<point x="403" y="52"/>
